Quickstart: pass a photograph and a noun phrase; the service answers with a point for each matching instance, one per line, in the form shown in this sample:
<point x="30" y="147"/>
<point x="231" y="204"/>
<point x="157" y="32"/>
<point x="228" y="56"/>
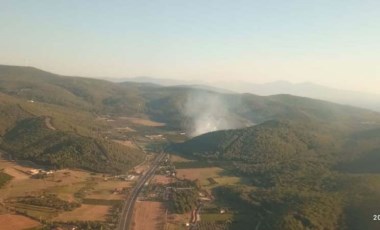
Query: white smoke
<point x="208" y="112"/>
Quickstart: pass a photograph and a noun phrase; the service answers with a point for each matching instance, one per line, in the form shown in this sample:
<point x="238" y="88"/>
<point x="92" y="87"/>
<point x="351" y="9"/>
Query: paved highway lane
<point x="127" y="212"/>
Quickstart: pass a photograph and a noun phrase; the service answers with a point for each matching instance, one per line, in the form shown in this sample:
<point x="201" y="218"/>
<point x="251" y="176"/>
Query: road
<point x="127" y="212"/>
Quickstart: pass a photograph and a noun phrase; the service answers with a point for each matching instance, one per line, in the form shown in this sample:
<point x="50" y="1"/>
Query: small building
<point x="34" y="171"/>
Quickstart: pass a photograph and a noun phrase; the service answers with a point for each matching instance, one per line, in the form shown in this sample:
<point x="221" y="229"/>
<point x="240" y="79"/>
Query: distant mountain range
<point x="306" y="89"/>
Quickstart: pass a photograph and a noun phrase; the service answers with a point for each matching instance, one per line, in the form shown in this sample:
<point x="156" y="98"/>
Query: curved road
<point x="127" y="212"/>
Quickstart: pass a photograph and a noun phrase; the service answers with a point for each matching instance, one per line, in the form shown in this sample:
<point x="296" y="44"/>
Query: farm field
<point x="97" y="194"/>
<point x="160" y="179"/>
<point x="17" y="222"/>
<point x="109" y="190"/>
<point x="62" y="182"/>
<point x="85" y="212"/>
<point x="142" y="121"/>
<point x="149" y="215"/>
<point x="177" y="158"/>
<point x="177" y="221"/>
<point x="200" y="174"/>
<point x="210" y="178"/>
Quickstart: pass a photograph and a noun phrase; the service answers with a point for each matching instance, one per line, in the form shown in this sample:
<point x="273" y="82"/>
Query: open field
<point x="228" y="180"/>
<point x="128" y="124"/>
<point x="199" y="173"/>
<point x="161" y="179"/>
<point x="97" y="194"/>
<point x="143" y="122"/>
<point x="37" y="212"/>
<point x="177" y="158"/>
<point x="65" y="181"/>
<point x="149" y="215"/>
<point x="127" y="143"/>
<point x="109" y="190"/>
<point x="16" y="222"/>
<point x="66" y="192"/>
<point x="18" y="172"/>
<point x="85" y="212"/>
<point x="177" y="221"/>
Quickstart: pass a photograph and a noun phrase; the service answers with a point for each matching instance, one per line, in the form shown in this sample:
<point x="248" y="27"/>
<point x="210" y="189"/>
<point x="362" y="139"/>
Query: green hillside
<point x="303" y="174"/>
<point x="52" y="120"/>
<point x="30" y="139"/>
<point x="77" y="92"/>
<point x="311" y="163"/>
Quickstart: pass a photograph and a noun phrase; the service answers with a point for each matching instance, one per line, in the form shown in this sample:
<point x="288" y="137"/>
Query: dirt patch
<point x="127" y="143"/>
<point x="17" y="222"/>
<point x="176" y="158"/>
<point x="126" y="129"/>
<point x="109" y="190"/>
<point x="160" y="179"/>
<point x="11" y="168"/>
<point x="142" y="121"/>
<point x="48" y="123"/>
<point x="148" y="215"/>
<point x="139" y="169"/>
<point x="85" y="212"/>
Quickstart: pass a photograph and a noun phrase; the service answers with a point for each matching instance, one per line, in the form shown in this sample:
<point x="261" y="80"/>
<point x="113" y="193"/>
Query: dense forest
<point x="30" y="139"/>
<point x="303" y="175"/>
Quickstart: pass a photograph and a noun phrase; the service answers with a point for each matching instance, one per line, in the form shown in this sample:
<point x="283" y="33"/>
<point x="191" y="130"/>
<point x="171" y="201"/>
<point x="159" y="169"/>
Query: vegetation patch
<point x="184" y="196"/>
<point x="47" y="200"/>
<point x="4" y="178"/>
<point x="101" y="202"/>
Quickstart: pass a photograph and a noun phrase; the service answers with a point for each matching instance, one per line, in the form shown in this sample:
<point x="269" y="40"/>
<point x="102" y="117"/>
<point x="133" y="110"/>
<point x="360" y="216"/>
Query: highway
<point x="127" y="212"/>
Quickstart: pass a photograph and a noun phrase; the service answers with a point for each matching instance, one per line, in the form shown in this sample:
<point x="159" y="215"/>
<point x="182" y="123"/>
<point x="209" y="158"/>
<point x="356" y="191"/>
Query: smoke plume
<point x="209" y="112"/>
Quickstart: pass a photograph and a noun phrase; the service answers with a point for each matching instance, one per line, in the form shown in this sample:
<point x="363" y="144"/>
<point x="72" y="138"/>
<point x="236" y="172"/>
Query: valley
<point x="87" y="153"/>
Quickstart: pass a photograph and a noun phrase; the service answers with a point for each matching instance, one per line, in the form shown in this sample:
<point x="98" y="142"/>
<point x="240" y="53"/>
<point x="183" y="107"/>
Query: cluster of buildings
<point x="34" y="172"/>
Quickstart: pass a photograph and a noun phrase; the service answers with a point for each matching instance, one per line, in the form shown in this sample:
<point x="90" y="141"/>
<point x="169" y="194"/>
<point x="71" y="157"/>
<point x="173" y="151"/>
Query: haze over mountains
<point x="299" y="156"/>
<point x="305" y="89"/>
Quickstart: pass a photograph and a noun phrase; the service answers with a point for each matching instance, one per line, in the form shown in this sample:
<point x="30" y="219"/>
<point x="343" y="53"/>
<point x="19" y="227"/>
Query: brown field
<point x="85" y="212"/>
<point x="23" y="185"/>
<point x="126" y="129"/>
<point x="127" y="143"/>
<point x="176" y="158"/>
<point x="141" y="168"/>
<point x="17" y="171"/>
<point x="16" y="222"/>
<point x="148" y="215"/>
<point x="160" y="179"/>
<point x="178" y="221"/>
<point x="142" y="121"/>
<point x="105" y="190"/>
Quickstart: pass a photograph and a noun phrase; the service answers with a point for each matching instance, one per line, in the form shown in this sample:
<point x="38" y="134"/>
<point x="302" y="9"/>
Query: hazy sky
<point x="330" y="42"/>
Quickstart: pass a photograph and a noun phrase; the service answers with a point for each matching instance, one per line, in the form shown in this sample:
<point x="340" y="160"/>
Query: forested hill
<point x="274" y="140"/>
<point x="336" y="145"/>
<point x="29" y="95"/>
<point x="166" y="104"/>
<point x="52" y="120"/>
<point x="300" y="174"/>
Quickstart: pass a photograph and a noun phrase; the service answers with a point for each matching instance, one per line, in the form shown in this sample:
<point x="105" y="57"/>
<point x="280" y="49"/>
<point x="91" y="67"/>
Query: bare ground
<point x="85" y="212"/>
<point x="16" y="222"/>
<point x="160" y="179"/>
<point x="148" y="215"/>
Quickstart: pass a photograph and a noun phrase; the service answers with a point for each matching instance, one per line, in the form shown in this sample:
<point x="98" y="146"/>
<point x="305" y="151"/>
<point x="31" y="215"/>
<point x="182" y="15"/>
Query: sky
<point x="330" y="42"/>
